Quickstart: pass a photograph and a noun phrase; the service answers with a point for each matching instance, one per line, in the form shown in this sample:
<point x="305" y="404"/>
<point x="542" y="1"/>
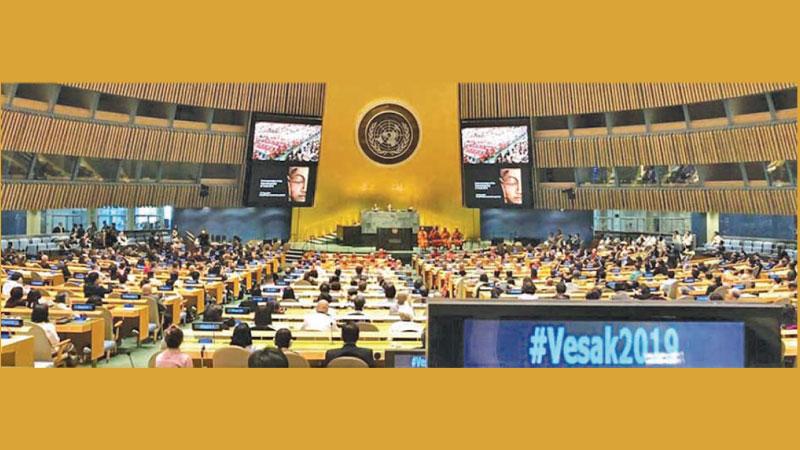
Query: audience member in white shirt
<point x="528" y="292"/>
<point x="319" y="320"/>
<point x="40" y="315"/>
<point x="405" y="324"/>
<point x="11" y="283"/>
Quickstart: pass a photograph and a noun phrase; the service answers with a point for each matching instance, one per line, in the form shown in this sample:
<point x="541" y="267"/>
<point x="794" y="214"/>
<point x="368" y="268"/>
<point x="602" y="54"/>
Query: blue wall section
<point x="699" y="227"/>
<point x="247" y="223"/>
<point x="534" y="223"/>
<point x="14" y="222"/>
<point x="750" y="225"/>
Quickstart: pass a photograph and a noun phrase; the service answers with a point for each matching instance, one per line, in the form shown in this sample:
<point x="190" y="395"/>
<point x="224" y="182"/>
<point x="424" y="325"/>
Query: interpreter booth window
<point x="681" y="175"/>
<point x="97" y="169"/>
<point x="637" y="175"/>
<point x="623" y="221"/>
<point x="127" y="171"/>
<point x="756" y="173"/>
<point x="53" y="167"/>
<point x="782" y="173"/>
<point x="16" y="165"/>
<point x="147" y="218"/>
<point x="66" y="217"/>
<point x="722" y="175"/>
<point x="594" y="176"/>
<point x="557" y="175"/>
<point x="116" y="216"/>
<point x="219" y="173"/>
<point x="150" y="171"/>
<point x="179" y="172"/>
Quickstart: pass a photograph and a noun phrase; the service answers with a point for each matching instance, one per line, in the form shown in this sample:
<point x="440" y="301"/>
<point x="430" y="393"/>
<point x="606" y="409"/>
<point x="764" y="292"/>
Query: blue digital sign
<point x="526" y="343"/>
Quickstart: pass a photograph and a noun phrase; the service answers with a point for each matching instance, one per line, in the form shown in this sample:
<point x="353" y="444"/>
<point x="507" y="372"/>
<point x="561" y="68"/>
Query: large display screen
<point x="282" y="168"/>
<point x="496" y="164"/>
<point x="528" y="343"/>
<point x="276" y="141"/>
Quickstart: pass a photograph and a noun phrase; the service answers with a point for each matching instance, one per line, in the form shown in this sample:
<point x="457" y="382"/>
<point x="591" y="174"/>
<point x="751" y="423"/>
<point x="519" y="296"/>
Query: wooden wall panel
<point x="32" y="132"/>
<point x="746" y="201"/>
<point x="498" y="100"/>
<point x="95" y="195"/>
<point x="756" y="143"/>
<point x="280" y="98"/>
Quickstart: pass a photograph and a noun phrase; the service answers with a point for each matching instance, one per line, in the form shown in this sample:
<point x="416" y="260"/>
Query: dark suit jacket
<point x="93" y="289"/>
<point x="350" y="350"/>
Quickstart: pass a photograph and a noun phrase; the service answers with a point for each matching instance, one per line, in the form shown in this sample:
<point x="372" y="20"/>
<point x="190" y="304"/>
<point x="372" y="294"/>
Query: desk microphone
<point x="202" y="356"/>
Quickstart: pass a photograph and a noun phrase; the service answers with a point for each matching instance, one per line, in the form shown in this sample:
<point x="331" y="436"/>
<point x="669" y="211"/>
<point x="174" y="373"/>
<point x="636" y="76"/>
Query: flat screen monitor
<point x="496" y="164"/>
<point x="282" y="167"/>
<point x="623" y="334"/>
<point x="406" y="359"/>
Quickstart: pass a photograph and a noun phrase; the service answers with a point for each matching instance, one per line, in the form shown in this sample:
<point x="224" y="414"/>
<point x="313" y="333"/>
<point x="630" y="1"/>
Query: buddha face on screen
<point x="298" y="182"/>
<point x="511" y="182"/>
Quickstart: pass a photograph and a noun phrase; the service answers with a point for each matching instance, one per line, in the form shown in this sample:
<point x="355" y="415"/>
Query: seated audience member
<point x="263" y="317"/>
<point x="213" y="313"/>
<point x="319" y="320"/>
<point x="685" y="294"/>
<point x="15" y="298"/>
<point x="358" y="308"/>
<point x="172" y="357"/>
<point x="267" y="358"/>
<point x="405" y="323"/>
<point x="594" y="294"/>
<point x="390" y="293"/>
<point x="40" y="315"/>
<point x="402" y="305"/>
<point x="350" y="334"/>
<point x="561" y="290"/>
<point x="95" y="300"/>
<point x="34" y="298"/>
<point x="283" y="339"/>
<point x="60" y="301"/>
<point x="242" y="337"/>
<point x="14" y="280"/>
<point x="528" y="292"/>
<point x="91" y="287"/>
<point x="288" y="293"/>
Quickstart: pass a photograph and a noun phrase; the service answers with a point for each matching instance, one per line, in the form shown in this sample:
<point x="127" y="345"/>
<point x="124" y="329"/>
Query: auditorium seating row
<point x="761" y="246"/>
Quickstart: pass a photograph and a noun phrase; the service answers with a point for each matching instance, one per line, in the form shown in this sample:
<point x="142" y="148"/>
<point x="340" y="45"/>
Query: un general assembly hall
<point x="399" y="225"/>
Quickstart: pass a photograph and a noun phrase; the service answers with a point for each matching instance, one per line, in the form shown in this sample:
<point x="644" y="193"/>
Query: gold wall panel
<point x="348" y="181"/>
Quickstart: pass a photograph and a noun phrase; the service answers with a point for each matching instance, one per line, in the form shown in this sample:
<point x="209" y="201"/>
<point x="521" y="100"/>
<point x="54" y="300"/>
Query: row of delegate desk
<point x="89" y="330"/>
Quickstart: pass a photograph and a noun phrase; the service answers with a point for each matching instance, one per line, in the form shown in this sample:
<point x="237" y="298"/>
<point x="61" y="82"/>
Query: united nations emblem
<point x="388" y="133"/>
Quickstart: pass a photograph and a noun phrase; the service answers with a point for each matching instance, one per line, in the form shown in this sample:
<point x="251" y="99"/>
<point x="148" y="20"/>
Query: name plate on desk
<point x="83" y="307"/>
<point x="237" y="310"/>
<point x="207" y="326"/>
<point x="130" y="296"/>
<point x="12" y="323"/>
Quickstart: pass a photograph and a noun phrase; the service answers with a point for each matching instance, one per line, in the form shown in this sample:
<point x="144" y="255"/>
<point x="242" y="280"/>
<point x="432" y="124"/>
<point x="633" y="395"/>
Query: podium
<point x="395" y="239"/>
<point x="372" y="220"/>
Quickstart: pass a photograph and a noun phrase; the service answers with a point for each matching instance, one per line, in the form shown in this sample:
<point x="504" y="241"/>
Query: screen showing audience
<point x="282" y="168"/>
<point x="496" y="165"/>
